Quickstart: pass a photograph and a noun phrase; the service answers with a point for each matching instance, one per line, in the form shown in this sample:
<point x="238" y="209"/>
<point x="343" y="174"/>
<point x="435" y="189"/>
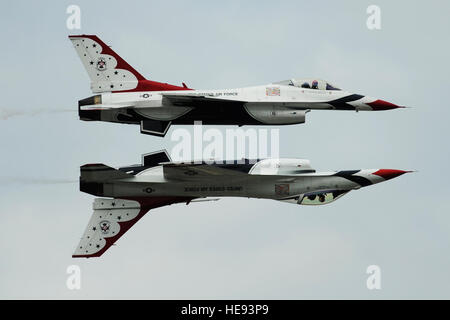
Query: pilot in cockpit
<point x="305" y="85"/>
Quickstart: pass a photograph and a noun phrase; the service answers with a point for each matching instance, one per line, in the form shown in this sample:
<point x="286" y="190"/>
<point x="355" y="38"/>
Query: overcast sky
<point x="232" y="248"/>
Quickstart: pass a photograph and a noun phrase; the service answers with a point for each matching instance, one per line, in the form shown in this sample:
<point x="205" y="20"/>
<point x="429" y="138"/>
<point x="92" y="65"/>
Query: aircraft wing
<point x="112" y="218"/>
<point x="200" y="171"/>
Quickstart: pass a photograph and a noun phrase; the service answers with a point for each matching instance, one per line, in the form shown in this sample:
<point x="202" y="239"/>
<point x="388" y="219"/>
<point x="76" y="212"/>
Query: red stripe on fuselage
<point x="149" y="85"/>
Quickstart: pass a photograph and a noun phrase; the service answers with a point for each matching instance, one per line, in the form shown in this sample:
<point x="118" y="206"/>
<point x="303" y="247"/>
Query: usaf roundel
<point x="101" y="64"/>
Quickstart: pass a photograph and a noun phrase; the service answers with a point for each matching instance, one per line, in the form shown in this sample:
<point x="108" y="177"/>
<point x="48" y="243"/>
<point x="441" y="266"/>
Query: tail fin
<point x="108" y="71"/>
<point x="112" y="218"/>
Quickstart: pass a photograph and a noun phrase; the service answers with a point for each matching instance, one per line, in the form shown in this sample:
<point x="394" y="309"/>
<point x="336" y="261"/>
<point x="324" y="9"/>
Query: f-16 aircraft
<point x="123" y="95"/>
<point x="132" y="191"/>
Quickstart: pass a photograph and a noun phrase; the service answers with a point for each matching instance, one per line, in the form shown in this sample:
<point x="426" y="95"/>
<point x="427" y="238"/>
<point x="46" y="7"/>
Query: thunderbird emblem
<point x="101" y="64"/>
<point x="104" y="227"/>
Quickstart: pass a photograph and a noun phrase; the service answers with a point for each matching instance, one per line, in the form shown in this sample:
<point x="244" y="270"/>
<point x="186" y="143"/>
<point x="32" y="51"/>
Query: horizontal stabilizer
<point x="100" y="172"/>
<point x="154" y="158"/>
<point x="155" y="127"/>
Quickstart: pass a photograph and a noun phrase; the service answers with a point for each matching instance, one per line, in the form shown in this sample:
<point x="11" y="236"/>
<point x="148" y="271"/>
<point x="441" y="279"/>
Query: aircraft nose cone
<point x="379" y="105"/>
<point x="389" y="173"/>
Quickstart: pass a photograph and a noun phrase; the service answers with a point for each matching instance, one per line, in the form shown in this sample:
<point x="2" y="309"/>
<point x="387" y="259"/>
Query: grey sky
<point x="232" y="248"/>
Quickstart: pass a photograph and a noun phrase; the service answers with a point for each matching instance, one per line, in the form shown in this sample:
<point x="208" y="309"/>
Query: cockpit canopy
<point x="317" y="84"/>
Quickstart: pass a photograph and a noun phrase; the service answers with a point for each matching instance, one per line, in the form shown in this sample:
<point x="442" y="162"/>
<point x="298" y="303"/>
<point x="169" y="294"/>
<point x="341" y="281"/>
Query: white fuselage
<point x="259" y="101"/>
<point x="152" y="183"/>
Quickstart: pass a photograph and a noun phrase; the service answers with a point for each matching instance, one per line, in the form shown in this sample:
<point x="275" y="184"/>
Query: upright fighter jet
<point x="132" y="191"/>
<point x="123" y="95"/>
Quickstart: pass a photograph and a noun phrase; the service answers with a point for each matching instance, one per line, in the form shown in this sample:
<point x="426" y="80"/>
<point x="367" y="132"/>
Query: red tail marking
<point x="143" y="84"/>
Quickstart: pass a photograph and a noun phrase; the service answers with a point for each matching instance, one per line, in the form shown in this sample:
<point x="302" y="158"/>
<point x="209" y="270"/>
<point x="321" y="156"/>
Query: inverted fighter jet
<point x="128" y="193"/>
<point x="123" y="95"/>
